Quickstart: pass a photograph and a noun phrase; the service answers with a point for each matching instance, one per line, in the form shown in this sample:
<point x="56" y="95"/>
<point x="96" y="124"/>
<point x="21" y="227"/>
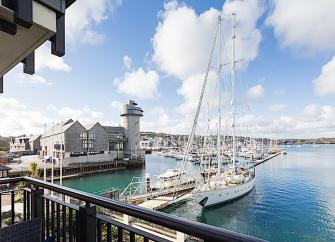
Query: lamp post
<point x="61" y="158"/>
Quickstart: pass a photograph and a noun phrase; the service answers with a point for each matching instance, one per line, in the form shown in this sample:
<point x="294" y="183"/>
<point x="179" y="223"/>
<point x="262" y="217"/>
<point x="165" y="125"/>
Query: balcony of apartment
<point x="33" y="210"/>
<point x="24" y="26"/>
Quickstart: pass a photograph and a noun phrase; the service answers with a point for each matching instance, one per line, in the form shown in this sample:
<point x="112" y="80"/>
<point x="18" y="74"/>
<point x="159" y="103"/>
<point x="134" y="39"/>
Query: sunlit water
<point x="293" y="198"/>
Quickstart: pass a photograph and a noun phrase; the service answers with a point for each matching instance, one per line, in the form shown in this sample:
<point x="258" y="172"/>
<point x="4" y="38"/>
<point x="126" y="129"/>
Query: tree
<point x="33" y="170"/>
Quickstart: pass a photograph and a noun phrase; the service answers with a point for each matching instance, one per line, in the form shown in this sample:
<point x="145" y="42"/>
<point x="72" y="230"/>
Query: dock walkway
<point x="256" y="163"/>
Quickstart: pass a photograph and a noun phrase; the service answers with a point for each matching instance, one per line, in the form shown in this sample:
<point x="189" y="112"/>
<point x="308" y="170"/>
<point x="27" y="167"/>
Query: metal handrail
<point x="207" y="232"/>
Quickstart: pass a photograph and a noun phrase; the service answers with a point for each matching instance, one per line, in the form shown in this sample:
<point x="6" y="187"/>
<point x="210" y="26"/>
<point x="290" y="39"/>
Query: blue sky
<point x="290" y="68"/>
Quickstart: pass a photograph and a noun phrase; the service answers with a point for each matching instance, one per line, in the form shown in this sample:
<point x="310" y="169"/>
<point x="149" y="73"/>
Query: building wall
<point x="132" y="133"/>
<point x="111" y="156"/>
<point x="48" y="143"/>
<point x="35" y="145"/>
<point x="101" y="138"/>
<point x="19" y="145"/>
<point x="73" y="140"/>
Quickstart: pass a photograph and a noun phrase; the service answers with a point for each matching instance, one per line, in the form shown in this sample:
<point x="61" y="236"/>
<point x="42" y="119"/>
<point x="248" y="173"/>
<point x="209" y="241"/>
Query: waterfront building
<point x="35" y="143"/>
<point x="19" y="144"/>
<point x="25" y="145"/>
<point x="116" y="140"/>
<point x="131" y="120"/>
<point x="77" y="143"/>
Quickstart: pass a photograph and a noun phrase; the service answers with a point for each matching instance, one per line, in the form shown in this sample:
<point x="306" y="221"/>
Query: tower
<point x="131" y="114"/>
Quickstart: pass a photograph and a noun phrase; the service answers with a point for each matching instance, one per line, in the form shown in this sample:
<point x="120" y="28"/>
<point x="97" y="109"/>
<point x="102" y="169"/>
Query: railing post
<point x="87" y="223"/>
<point x="36" y="202"/>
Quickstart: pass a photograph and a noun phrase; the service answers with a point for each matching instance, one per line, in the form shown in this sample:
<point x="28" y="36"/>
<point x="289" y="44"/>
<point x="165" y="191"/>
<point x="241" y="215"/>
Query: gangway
<point x="145" y="193"/>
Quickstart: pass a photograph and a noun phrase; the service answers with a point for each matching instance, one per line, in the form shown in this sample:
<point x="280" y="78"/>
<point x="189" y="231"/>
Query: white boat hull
<point x="222" y="195"/>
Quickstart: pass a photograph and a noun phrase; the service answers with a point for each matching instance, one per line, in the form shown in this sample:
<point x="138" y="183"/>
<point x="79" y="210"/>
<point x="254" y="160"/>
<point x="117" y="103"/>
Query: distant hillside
<point x="4" y="142"/>
<point x="266" y="140"/>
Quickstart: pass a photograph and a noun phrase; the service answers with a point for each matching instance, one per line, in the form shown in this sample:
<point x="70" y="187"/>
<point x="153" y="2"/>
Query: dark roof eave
<point x="68" y="3"/>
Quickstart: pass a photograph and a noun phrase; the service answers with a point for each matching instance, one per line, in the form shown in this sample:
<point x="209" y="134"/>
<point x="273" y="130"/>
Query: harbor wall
<point x="83" y="168"/>
<point x="108" y="157"/>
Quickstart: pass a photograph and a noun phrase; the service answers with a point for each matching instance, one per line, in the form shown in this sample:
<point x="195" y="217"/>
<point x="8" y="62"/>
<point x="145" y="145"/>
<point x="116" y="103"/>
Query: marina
<point x="284" y="184"/>
<point x="167" y="121"/>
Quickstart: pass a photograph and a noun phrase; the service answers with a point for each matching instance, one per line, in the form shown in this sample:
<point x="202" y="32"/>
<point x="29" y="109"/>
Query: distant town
<point x="150" y="139"/>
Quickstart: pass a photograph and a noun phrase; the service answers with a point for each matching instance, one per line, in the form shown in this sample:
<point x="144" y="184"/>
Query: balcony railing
<point x="71" y="215"/>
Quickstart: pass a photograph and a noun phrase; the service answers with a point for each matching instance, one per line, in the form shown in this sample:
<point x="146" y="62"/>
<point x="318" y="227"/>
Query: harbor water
<point x="293" y="198"/>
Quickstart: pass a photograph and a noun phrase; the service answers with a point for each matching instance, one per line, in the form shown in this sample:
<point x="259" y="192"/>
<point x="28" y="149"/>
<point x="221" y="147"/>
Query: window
<point x="90" y="144"/>
<point x="84" y="144"/>
<point x="92" y="135"/>
<point x="83" y="135"/>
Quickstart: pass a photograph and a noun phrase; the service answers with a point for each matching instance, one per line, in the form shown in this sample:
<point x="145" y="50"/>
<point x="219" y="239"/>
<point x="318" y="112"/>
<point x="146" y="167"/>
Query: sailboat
<point x="229" y="183"/>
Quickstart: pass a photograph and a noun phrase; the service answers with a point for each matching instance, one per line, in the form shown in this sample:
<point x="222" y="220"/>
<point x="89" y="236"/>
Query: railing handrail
<point x="210" y="233"/>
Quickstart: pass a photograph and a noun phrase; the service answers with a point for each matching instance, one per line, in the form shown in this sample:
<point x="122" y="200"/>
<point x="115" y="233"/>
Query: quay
<point x="258" y="162"/>
<point x="75" y="170"/>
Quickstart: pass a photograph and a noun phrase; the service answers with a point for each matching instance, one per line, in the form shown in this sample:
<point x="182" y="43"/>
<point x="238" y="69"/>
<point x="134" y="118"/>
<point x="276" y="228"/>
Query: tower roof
<point x="131" y="109"/>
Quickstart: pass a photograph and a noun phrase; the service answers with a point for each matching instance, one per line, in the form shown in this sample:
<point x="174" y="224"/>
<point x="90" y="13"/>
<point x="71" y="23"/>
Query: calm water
<point x="293" y="198"/>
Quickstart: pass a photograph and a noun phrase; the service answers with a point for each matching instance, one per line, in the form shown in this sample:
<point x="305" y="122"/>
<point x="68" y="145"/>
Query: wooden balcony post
<point x="36" y="202"/>
<point x="23" y="12"/>
<point x="58" y="40"/>
<point x="29" y="64"/>
<point x="87" y="223"/>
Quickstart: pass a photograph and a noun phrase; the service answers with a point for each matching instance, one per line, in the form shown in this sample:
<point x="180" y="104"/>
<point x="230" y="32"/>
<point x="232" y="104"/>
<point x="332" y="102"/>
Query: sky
<point x="156" y="52"/>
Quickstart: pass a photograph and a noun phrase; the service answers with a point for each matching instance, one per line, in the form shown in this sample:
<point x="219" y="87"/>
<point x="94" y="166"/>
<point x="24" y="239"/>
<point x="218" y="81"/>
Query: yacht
<point x="224" y="184"/>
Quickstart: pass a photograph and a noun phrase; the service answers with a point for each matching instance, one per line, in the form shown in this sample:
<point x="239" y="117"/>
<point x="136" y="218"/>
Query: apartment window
<point x="83" y="135"/>
<point x="84" y="144"/>
<point x="92" y="135"/>
<point x="90" y="144"/>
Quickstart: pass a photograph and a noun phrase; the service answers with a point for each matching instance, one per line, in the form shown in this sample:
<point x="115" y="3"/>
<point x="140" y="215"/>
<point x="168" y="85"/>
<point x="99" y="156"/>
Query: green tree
<point x="33" y="170"/>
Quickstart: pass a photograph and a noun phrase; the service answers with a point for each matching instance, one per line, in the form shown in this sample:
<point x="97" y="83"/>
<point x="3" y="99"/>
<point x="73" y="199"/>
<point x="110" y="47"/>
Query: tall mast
<point x="195" y="121"/>
<point x="233" y="85"/>
<point x="219" y="97"/>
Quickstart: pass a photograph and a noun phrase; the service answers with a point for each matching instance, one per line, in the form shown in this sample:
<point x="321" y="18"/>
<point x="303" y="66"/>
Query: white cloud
<point x="17" y="118"/>
<point x="45" y="60"/>
<point x="81" y="19"/>
<point x="91" y="37"/>
<point x="314" y="121"/>
<point x="304" y="24"/>
<point x="158" y="120"/>
<point x="191" y="89"/>
<point x="183" y="40"/>
<point x="32" y="79"/>
<point x="84" y="15"/>
<point x="138" y="83"/>
<point x="311" y="111"/>
<point x="255" y="93"/>
<point x="117" y="105"/>
<point x="325" y="83"/>
<point x="276" y="108"/>
<point x="96" y="115"/>
<point x="84" y="114"/>
<point x="127" y="62"/>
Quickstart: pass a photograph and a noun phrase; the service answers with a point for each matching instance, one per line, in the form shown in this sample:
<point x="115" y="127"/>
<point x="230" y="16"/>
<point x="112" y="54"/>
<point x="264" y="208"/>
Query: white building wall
<point x="111" y="156"/>
<point x="132" y="133"/>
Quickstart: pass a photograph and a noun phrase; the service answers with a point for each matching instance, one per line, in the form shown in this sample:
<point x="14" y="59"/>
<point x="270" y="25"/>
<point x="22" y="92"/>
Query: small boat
<point x="172" y="178"/>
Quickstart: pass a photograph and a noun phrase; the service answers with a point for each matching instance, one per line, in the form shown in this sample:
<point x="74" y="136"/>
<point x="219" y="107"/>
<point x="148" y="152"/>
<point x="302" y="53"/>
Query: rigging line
<point x="198" y="108"/>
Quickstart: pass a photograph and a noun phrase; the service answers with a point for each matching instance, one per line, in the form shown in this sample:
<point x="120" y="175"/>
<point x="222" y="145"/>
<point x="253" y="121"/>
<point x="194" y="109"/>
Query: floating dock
<point x="256" y="163"/>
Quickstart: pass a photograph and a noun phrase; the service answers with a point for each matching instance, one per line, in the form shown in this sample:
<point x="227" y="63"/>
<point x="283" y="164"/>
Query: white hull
<point x="222" y="195"/>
